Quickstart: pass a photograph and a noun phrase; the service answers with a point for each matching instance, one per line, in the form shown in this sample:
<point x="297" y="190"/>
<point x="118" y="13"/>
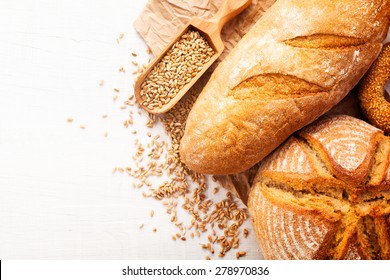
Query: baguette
<point x="299" y="60"/>
<point x="325" y="193"/>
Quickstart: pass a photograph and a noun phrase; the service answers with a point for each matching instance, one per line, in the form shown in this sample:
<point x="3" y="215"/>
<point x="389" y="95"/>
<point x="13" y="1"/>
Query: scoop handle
<point x="228" y="10"/>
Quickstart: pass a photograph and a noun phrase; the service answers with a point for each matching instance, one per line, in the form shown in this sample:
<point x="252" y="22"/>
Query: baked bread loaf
<point x="325" y="193"/>
<point x="299" y="60"/>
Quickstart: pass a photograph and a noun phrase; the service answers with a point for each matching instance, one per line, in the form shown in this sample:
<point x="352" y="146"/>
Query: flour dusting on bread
<point x="343" y="207"/>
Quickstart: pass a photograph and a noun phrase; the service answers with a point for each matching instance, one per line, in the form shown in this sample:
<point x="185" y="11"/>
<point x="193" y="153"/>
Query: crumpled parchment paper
<point x="162" y="19"/>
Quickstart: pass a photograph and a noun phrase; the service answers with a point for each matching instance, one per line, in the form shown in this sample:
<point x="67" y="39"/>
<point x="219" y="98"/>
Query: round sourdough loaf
<point x="325" y="193"/>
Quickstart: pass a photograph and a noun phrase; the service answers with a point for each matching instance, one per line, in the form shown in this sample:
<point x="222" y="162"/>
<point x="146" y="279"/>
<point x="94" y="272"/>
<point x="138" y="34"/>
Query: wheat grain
<point x="175" y="69"/>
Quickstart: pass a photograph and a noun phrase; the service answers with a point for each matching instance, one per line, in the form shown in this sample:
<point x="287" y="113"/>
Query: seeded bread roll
<point x="372" y="93"/>
<point x="299" y="60"/>
<point x="325" y="193"/>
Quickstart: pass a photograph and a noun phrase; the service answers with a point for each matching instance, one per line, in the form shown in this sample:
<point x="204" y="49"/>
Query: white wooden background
<point x="58" y="196"/>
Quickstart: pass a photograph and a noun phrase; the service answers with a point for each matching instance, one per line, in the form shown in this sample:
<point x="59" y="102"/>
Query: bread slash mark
<point x="274" y="86"/>
<point x="325" y="41"/>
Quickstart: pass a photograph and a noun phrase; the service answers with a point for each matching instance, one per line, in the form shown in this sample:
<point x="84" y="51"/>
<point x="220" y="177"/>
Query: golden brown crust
<point x="252" y="102"/>
<point x="329" y="178"/>
<point x="347" y="150"/>
<point x="284" y="233"/>
<point x="372" y="93"/>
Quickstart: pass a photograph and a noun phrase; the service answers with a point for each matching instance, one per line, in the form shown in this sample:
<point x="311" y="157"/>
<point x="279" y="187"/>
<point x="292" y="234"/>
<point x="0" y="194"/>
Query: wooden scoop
<point x="211" y="31"/>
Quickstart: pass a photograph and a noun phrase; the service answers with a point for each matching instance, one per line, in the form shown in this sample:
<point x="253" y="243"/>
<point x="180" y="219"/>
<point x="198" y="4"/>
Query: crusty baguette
<point x="298" y="61"/>
<point x="324" y="193"/>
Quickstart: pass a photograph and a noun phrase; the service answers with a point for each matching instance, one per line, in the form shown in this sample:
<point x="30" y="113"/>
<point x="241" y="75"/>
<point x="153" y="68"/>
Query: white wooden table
<point x="58" y="196"/>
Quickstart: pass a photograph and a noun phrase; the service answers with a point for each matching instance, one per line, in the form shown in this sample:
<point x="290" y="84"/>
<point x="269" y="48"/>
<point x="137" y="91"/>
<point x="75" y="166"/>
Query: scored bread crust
<point x="325" y="193"/>
<point x="298" y="61"/>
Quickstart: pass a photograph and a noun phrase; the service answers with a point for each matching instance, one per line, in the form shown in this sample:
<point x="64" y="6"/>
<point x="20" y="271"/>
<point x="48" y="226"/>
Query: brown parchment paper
<point x="161" y="20"/>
